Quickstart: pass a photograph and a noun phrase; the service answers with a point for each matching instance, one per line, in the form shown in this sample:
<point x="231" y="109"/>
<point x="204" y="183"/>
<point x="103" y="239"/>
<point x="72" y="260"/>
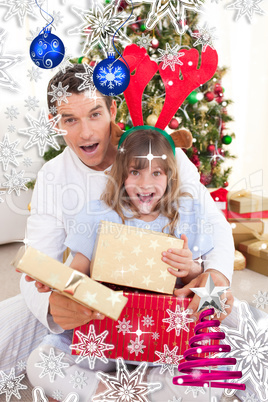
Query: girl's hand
<point x="180" y="260"/>
<point x="39" y="286"/>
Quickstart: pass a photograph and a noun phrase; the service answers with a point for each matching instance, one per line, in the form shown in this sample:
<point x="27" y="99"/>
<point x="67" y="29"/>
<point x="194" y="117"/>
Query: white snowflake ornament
<point x="100" y="24"/>
<point x="21" y="365"/>
<point x="170" y="57"/>
<point x="168" y="360"/>
<point x="7" y="61"/>
<point x="124" y="326"/>
<point x="8" y="152"/>
<point x="10" y="384"/>
<point x="91" y="346"/>
<point x="204" y="37"/>
<point x="12" y="113"/>
<point x="27" y="162"/>
<point x="144" y="41"/>
<point x="19" y="8"/>
<point x="15" y="182"/>
<point x="136" y="346"/>
<point x="261" y="299"/>
<point x="59" y="94"/>
<point x="51" y="365"/>
<point x="34" y="74"/>
<point x="147" y="321"/>
<point x="195" y="391"/>
<point x="42" y="132"/>
<point x="246" y="8"/>
<point x="155" y="336"/>
<point x="57" y="394"/>
<point x="78" y="380"/>
<point x="11" y="129"/>
<point x="223" y="307"/>
<point x="126" y="387"/>
<point x="58" y="17"/>
<point x="87" y="78"/>
<point x="178" y="320"/>
<point x="31" y="103"/>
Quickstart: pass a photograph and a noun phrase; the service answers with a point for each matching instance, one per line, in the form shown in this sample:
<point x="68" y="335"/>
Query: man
<point x="63" y="186"/>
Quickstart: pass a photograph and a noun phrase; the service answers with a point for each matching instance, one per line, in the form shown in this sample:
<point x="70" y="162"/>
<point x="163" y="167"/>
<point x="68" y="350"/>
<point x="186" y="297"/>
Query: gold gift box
<point x="244" y="229"/>
<point x="131" y="256"/>
<point x="243" y="202"/>
<point x="69" y="282"/>
<point x="256" y="253"/>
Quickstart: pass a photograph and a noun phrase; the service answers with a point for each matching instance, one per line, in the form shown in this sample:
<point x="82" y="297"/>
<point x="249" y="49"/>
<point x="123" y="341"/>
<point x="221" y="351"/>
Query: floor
<point x="245" y="285"/>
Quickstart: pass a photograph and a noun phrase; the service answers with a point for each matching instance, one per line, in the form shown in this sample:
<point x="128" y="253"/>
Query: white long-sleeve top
<point x="64" y="185"/>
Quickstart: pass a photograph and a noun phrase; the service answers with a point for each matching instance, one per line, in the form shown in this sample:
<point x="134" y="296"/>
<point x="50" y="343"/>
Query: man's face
<point x="87" y="122"/>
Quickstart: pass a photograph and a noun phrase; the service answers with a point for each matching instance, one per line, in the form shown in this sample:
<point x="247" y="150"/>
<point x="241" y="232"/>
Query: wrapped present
<point x="245" y="204"/>
<point x="220" y="198"/>
<point x="245" y="229"/>
<point x="256" y="254"/>
<point x="70" y="282"/>
<point x="131" y="256"/>
<point x="239" y="261"/>
<point x="151" y="328"/>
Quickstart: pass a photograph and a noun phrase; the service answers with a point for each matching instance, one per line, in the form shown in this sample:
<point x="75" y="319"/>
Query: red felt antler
<point x="177" y="89"/>
<point x="138" y="60"/>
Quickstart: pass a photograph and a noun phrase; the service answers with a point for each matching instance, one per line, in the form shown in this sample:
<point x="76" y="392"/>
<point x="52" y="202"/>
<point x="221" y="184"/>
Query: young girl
<point x="142" y="191"/>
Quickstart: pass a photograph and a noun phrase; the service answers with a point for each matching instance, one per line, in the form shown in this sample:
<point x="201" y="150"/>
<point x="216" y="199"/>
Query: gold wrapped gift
<point x="256" y="253"/>
<point x="131" y="256"/>
<point x="239" y="261"/>
<point x="71" y="283"/>
<point x="244" y="229"/>
<point x="243" y="202"/>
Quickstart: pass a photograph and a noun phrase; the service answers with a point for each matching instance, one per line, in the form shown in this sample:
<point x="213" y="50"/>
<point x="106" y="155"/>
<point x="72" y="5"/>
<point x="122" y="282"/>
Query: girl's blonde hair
<point x="136" y="144"/>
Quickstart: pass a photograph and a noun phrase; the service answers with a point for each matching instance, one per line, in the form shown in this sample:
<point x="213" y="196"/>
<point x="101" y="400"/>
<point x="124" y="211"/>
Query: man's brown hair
<point x="69" y="78"/>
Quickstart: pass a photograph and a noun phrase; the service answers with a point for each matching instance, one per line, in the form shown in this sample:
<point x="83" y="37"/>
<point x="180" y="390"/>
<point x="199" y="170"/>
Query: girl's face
<point x="145" y="187"/>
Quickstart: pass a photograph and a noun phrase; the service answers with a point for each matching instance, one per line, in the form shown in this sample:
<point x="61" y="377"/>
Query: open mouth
<point x="89" y="149"/>
<point x="145" y="198"/>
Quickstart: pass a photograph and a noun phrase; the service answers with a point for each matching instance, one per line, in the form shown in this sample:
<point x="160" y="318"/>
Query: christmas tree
<point x="204" y="112"/>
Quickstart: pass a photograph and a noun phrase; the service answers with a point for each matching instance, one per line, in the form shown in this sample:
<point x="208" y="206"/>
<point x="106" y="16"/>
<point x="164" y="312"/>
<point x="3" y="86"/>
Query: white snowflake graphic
<point x="124" y="326"/>
<point x="34" y="74"/>
<point x="10" y="384"/>
<point x="6" y="61"/>
<point x="195" y="391"/>
<point x="12" y="113"/>
<point x="174" y="9"/>
<point x="223" y="306"/>
<point x="136" y="346"/>
<point x="2" y="193"/>
<point x="170" y="57"/>
<point x="104" y="23"/>
<point x="144" y="41"/>
<point x="42" y="132"/>
<point x="51" y="365"/>
<point x="11" y="129"/>
<point x="249" y="398"/>
<point x="59" y="94"/>
<point x="58" y="17"/>
<point x="87" y="78"/>
<point x="65" y="62"/>
<point x="178" y="320"/>
<point x="261" y="299"/>
<point x="92" y="346"/>
<point x="27" y="162"/>
<point x="21" y="365"/>
<point x="246" y="7"/>
<point x="34" y="33"/>
<point x="147" y="321"/>
<point x="18" y="7"/>
<point x="111" y="76"/>
<point x="57" y="394"/>
<point x="15" y="182"/>
<point x="168" y="360"/>
<point x="204" y="37"/>
<point x="126" y="387"/>
<point x="78" y="380"/>
<point x="249" y="346"/>
<point x="31" y="103"/>
<point x="53" y="110"/>
<point x="8" y="152"/>
<point x="155" y="335"/>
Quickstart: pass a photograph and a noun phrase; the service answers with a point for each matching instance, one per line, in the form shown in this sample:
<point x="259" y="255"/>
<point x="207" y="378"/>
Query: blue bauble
<point x="111" y="76"/>
<point x="47" y="50"/>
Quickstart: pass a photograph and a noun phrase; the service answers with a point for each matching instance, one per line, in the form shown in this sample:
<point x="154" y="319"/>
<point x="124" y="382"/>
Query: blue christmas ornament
<point x="111" y="76"/>
<point x="47" y="50"/>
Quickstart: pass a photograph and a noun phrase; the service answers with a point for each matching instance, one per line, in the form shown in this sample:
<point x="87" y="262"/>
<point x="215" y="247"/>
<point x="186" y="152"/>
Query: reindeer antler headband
<point x="179" y="83"/>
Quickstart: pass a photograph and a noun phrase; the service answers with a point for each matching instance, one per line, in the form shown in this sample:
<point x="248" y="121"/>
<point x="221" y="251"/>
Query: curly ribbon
<point x="50" y="23"/>
<point x="199" y="378"/>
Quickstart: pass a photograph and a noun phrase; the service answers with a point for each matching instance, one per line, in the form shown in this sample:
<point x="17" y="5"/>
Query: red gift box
<point x="248" y="215"/>
<point x="220" y="198"/>
<point x="150" y="327"/>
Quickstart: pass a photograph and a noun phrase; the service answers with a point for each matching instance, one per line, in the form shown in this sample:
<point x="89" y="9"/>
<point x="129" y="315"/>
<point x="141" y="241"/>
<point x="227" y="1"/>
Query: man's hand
<point x="68" y="314"/>
<point x="200" y="281"/>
